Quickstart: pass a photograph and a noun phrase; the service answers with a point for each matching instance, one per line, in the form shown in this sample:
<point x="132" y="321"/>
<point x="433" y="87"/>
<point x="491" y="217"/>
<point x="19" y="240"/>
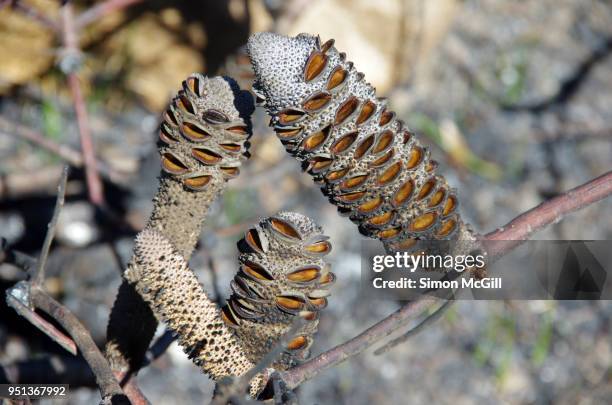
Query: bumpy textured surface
<point x="176" y="296"/>
<point x="282" y="275"/>
<point x="364" y="159"/>
<point x="202" y="141"/>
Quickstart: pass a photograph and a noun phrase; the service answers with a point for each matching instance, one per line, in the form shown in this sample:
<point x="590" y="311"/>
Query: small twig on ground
<point x="552" y="211"/>
<point x="70" y="63"/>
<point x="39" y="275"/>
<point x="33" y="14"/>
<point x="18" y="259"/>
<point x="72" y="156"/>
<point x="15" y="185"/>
<point x="101" y="10"/>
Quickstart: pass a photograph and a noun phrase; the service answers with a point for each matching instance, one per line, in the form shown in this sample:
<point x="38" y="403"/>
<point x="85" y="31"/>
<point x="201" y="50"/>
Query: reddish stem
<point x="99" y="11"/>
<point x="94" y="185"/>
<point x="356" y="345"/>
<point x="549" y="212"/>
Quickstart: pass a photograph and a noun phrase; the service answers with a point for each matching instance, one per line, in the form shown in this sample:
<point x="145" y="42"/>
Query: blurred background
<point x="513" y="97"/>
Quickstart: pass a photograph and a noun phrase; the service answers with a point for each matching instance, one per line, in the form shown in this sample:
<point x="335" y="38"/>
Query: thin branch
<point x="356" y="345"/>
<point x="34" y="14"/>
<point x="108" y="385"/>
<point x="101" y="10"/>
<point x="17" y="184"/>
<point x="39" y="322"/>
<point x="27" y="296"/>
<point x="552" y="211"/>
<point x="39" y="275"/>
<point x="18" y="259"/>
<point x="428" y="320"/>
<point x="66" y="153"/>
<point x="282" y="394"/>
<point x="280" y="346"/>
<point x="70" y="63"/>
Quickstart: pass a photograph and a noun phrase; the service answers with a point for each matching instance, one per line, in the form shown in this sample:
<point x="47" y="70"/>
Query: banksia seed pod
<point x="175" y="295"/>
<point x="202" y="141"/>
<point x="362" y="156"/>
<point x="282" y="275"/>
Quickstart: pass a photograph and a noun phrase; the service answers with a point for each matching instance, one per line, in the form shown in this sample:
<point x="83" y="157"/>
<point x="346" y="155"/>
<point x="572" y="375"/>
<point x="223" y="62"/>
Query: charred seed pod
<point x="175" y="295"/>
<point x="282" y="275"/>
<point x="364" y="158"/>
<point x="203" y="139"/>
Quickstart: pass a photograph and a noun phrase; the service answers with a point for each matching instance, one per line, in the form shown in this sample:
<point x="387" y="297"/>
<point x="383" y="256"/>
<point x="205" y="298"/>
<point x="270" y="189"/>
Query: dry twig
<point x="101" y="10"/>
<point x="27" y="296"/>
<point x="70" y="64"/>
<point x="66" y="153"/>
<point x="549" y="212"/>
<point x="39" y="275"/>
<point x="356" y="345"/>
<point x="32" y="13"/>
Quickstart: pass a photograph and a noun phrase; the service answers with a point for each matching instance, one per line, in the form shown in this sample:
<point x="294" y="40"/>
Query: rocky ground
<point x="513" y="99"/>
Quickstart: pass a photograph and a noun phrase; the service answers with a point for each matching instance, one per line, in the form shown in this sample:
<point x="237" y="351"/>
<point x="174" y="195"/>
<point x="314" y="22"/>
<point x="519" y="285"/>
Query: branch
<point x="39" y="275"/>
<point x="33" y="14"/>
<point x="19" y="259"/>
<point x="69" y="64"/>
<point x="108" y="385"/>
<point x="14" y="300"/>
<point x="552" y="211"/>
<point x="101" y="10"/>
<point x="66" y="153"/>
<point x="356" y="345"/>
<point x="434" y="316"/>
<point x="27" y="296"/>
